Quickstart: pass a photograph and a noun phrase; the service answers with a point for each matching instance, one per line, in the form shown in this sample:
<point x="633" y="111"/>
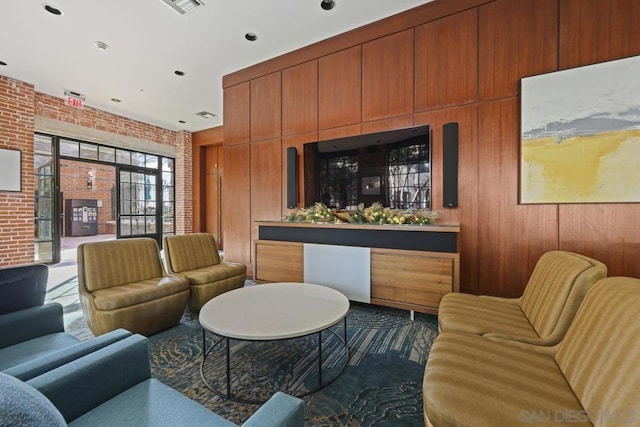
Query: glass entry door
<point x="138" y="203"/>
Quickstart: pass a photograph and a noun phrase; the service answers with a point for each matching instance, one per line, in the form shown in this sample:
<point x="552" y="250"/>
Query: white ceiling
<point x="149" y="40"/>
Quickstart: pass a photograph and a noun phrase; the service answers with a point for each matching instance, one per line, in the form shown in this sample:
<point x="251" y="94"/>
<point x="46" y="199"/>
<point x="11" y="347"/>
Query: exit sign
<point x="75" y="102"/>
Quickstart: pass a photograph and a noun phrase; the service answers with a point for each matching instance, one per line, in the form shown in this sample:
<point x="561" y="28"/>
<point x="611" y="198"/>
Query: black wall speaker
<point x="292" y="178"/>
<point x="450" y="165"/>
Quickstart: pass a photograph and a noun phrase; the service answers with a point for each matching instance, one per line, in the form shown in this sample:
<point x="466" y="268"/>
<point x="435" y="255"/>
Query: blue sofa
<point x="113" y="386"/>
<point x="33" y="341"/>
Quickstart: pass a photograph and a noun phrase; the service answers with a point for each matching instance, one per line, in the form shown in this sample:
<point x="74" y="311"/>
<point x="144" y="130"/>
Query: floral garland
<point x="374" y="214"/>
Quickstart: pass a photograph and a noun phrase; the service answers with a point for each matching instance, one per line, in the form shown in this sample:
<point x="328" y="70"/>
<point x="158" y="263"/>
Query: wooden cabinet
<point x="408" y="279"/>
<point x="413" y="280"/>
<point x="266" y="107"/>
<point x="278" y="261"/>
<point x="447" y="61"/>
<point x="236" y="114"/>
<point x="387" y="76"/>
<point x="300" y="98"/>
<point x="339" y="88"/>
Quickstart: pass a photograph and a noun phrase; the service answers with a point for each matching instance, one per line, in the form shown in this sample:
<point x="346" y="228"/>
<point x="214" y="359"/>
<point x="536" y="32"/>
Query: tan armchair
<point x="123" y="284"/>
<point x="556" y="288"/>
<point x="195" y="256"/>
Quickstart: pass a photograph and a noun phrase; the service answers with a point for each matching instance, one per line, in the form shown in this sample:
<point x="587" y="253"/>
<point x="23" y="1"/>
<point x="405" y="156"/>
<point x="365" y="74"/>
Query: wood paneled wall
<point x="448" y="60"/>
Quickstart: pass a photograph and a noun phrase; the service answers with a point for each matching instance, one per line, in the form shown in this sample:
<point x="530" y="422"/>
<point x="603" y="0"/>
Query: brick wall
<point x="73" y="185"/>
<point x="184" y="184"/>
<point x="19" y="104"/>
<point x="55" y="108"/>
<point x="16" y="209"/>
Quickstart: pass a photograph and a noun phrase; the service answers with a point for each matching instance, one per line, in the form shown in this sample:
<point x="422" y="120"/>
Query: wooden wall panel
<point x="446" y="57"/>
<point x="236" y="114"/>
<point x="339" y="88"/>
<point x="382" y="125"/>
<point x="516" y="39"/>
<point x="298" y="142"/>
<point x="266" y="107"/>
<point x="266" y="185"/>
<point x="300" y="98"/>
<point x="607" y="232"/>
<point x="466" y="214"/>
<point x="236" y="203"/>
<point x="200" y="141"/>
<point x="212" y="192"/>
<point x="387" y="77"/>
<point x="511" y="237"/>
<point x="594" y="31"/>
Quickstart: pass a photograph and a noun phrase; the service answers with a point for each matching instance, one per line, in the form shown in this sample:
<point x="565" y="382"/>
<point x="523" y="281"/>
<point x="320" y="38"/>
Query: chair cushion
<point x="23" y="405"/>
<point x="119" y="262"/>
<point x="599" y="353"/>
<point x="190" y="251"/>
<point x="150" y="403"/>
<point x="214" y="273"/>
<point x="35" y="348"/>
<point x="472" y="381"/>
<point x="477" y="315"/>
<point x="22" y="287"/>
<point x="130" y="294"/>
<point x="557" y="278"/>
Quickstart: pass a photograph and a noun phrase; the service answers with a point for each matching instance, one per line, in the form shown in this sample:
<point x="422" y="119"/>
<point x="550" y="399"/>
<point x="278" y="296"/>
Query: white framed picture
<point x="10" y="170"/>
<point x="580" y="135"/>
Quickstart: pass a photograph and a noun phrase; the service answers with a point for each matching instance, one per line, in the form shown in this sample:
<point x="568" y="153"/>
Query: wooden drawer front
<point x="278" y="262"/>
<point x="421" y="280"/>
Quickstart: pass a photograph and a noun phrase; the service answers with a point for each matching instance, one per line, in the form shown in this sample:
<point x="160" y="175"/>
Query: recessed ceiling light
<point x="179" y="73"/>
<point x="2" y="63"/>
<point x="251" y="37"/>
<point x="51" y="9"/>
<point x="327" y="4"/>
<point x="116" y="100"/>
<point x="101" y="45"/>
<point x="181" y="121"/>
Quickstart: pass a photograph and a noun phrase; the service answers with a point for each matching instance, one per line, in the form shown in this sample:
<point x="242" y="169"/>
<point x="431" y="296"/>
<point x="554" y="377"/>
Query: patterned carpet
<point x="380" y="386"/>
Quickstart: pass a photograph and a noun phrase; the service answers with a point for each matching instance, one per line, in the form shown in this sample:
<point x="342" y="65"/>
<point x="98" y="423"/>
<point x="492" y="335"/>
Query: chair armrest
<point x="85" y="383"/>
<point x="30" y="323"/>
<point x="33" y="368"/>
<point x="282" y="410"/>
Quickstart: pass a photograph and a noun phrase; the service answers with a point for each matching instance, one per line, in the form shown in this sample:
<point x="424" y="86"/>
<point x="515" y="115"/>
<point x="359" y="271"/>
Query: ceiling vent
<point x="206" y="114"/>
<point x="184" y="6"/>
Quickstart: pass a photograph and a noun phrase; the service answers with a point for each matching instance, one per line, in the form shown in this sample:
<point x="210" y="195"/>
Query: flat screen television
<point x="392" y="168"/>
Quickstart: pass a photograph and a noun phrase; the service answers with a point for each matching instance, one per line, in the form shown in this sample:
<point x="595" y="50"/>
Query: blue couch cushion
<point x="23" y="405"/>
<point x="35" y="348"/>
<point x="150" y="403"/>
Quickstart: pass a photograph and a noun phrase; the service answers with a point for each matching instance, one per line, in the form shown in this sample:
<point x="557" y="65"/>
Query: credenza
<point x="407" y="266"/>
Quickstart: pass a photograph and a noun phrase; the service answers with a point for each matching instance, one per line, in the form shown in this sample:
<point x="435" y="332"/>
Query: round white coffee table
<point x="273" y="311"/>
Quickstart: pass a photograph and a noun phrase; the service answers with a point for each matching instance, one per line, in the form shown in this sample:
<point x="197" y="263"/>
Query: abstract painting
<point x="580" y="135"/>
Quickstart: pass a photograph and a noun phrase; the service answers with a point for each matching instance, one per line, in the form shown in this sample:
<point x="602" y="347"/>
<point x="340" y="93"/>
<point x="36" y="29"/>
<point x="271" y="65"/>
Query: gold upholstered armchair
<point x="541" y="316"/>
<point x="195" y="256"/>
<point x="123" y="284"/>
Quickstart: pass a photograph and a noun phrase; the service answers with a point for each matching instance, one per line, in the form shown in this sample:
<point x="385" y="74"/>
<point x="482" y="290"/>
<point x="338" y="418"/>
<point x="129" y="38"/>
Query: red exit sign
<point x="75" y="102"/>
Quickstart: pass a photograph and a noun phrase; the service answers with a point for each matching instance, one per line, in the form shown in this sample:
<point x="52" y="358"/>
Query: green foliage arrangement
<point x="374" y="214"/>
